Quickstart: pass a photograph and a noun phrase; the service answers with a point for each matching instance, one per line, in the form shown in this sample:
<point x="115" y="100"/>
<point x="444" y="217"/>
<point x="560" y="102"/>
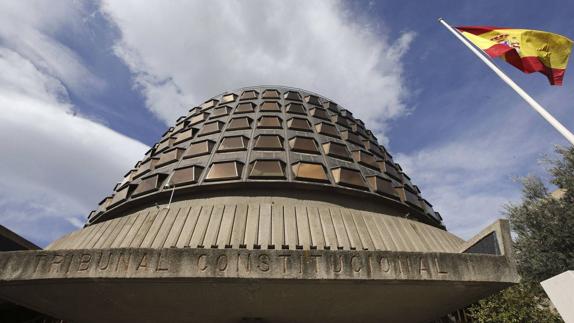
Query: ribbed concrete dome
<point x="269" y="137"/>
<point x="274" y="200"/>
<point x="266" y="167"/>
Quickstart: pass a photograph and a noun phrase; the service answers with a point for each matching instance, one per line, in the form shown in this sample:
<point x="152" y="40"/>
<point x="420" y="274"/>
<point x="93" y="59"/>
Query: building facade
<point x="266" y="204"/>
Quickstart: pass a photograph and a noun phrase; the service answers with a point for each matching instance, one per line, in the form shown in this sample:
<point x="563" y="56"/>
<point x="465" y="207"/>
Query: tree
<point x="543" y="226"/>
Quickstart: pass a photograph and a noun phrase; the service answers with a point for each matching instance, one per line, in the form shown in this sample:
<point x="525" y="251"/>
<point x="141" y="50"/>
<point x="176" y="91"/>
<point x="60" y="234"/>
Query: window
<point x="366" y="159"/>
<point x="348" y="177"/>
<point x="229" y="98"/>
<point x="270" y="106"/>
<point x="269" y="122"/>
<point x="340" y="120"/>
<point x="195" y="119"/>
<point x="170" y="156"/>
<point x="270" y="94"/>
<point x="185" y="135"/>
<point x="199" y="148"/>
<point x="186" y="175"/>
<point x="210" y="128"/>
<point x="267" y="169"/>
<point x="145" y="167"/>
<point x="352" y="137"/>
<point x="220" y="111"/>
<point x="268" y="142"/>
<point x="383" y="186"/>
<point x="336" y="150"/>
<point x="312" y="99"/>
<point x="208" y="104"/>
<point x="239" y="123"/>
<point x="327" y="129"/>
<point x="296" y="108"/>
<point x="149" y="184"/>
<point x="248" y="95"/>
<point x="319" y="113"/>
<point x="224" y="171"/>
<point x="245" y="107"/>
<point x="299" y="124"/>
<point x="331" y="106"/>
<point x="292" y="95"/>
<point x="303" y="145"/>
<point x="309" y="172"/>
<point x="165" y="144"/>
<point x="234" y="143"/>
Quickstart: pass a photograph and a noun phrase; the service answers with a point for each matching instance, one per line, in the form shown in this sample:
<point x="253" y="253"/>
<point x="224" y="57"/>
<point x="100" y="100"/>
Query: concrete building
<point x="267" y="204"/>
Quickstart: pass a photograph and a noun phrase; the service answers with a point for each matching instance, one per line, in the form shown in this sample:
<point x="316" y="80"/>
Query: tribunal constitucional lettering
<point x="240" y="263"/>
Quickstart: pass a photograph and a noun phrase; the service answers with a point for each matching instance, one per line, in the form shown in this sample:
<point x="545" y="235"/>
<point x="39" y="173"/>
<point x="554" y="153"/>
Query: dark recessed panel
<point x="165" y="144"/>
<point x="327" y="129"/>
<point x="382" y="186"/>
<point x="303" y="145"/>
<point x="340" y="120"/>
<point x="351" y="137"/>
<point x="331" y="106"/>
<point x="320" y="113"/>
<point x="186" y="175"/>
<point x="292" y="95"/>
<point x="411" y="198"/>
<point x="221" y="171"/>
<point x="269" y="142"/>
<point x="199" y="148"/>
<point x="299" y="124"/>
<point x="374" y="148"/>
<point x="239" y="123"/>
<point x="234" y="143"/>
<point x="146" y="166"/>
<point x="348" y="177"/>
<point x="309" y="172"/>
<point x="269" y="122"/>
<point x="366" y="159"/>
<point x="149" y="184"/>
<point x="270" y="94"/>
<point x="228" y="98"/>
<point x="336" y="150"/>
<point x="267" y="169"/>
<point x="390" y="169"/>
<point x="185" y="135"/>
<point x="245" y="107"/>
<point x="270" y="106"/>
<point x="210" y="128"/>
<point x="312" y="99"/>
<point x="170" y="156"/>
<point x="249" y="95"/>
<point x="296" y="108"/>
<point x="198" y="118"/>
<point x="122" y="195"/>
<point x="208" y="105"/>
<point x="220" y="111"/>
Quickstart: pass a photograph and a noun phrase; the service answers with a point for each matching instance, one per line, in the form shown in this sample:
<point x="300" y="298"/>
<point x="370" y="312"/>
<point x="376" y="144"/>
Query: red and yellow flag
<point x="528" y="50"/>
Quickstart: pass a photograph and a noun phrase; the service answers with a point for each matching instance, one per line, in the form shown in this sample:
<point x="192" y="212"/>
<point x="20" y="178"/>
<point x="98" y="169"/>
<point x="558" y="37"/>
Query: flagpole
<point x="537" y="107"/>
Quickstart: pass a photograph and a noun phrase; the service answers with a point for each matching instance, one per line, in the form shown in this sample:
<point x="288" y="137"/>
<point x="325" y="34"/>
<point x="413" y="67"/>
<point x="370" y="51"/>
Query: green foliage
<point x="517" y="304"/>
<point x="543" y="226"/>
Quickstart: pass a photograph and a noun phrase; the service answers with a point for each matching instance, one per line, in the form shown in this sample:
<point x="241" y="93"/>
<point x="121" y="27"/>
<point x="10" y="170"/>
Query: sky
<point x="87" y="86"/>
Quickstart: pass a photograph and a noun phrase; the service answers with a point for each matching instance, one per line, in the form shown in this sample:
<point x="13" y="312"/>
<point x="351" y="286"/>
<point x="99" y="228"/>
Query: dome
<point x="276" y="200"/>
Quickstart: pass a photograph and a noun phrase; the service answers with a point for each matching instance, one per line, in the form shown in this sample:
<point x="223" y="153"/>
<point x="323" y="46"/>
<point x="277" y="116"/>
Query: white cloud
<point x="55" y="164"/>
<point x="183" y="52"/>
<point x="471" y="176"/>
<point x="30" y="28"/>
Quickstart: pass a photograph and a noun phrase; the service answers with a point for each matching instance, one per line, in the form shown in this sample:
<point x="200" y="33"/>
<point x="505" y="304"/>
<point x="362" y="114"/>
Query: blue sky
<point x="87" y="86"/>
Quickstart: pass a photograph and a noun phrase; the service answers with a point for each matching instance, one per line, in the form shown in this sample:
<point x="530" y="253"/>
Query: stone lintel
<point x="21" y="266"/>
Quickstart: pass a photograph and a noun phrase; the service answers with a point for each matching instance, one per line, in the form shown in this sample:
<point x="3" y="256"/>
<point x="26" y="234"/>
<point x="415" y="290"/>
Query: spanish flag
<point x="528" y="50"/>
